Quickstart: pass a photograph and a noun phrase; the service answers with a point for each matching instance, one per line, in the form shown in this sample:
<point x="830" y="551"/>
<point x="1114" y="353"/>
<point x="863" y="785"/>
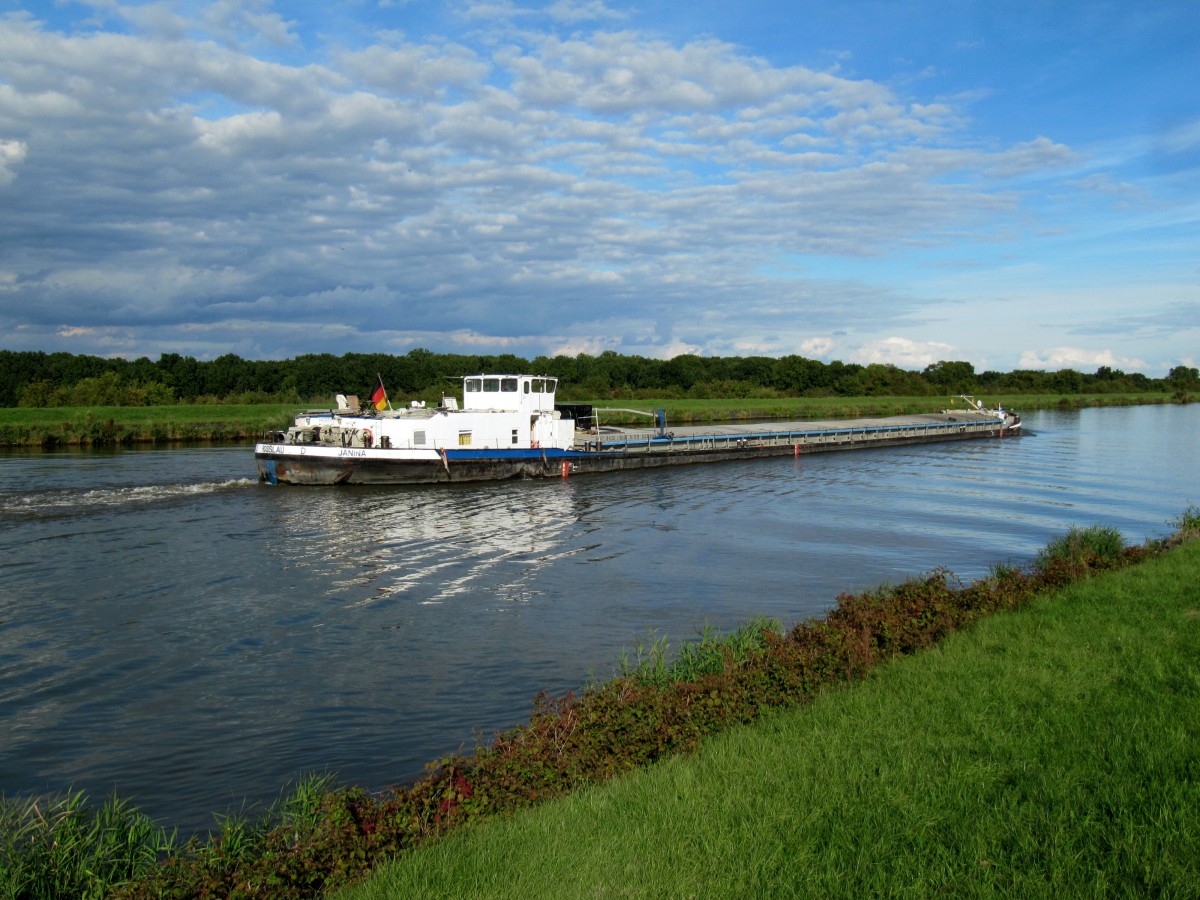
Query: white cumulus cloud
<point x="903" y="353"/>
<point x="1078" y="358"/>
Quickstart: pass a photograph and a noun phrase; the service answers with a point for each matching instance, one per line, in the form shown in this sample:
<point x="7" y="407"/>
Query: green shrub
<point x="1188" y="523"/>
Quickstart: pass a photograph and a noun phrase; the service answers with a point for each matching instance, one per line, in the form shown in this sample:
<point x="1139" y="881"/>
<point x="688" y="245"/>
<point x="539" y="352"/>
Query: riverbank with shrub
<point x="1051" y="752"/>
<point x="131" y="426"/>
<point x="1119" y="664"/>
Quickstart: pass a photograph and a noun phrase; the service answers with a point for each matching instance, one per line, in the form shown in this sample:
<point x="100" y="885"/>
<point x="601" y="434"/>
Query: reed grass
<point x="652" y="663"/>
<point x="1099" y="545"/>
<point x="52" y="848"/>
<point x="1048" y="752"/>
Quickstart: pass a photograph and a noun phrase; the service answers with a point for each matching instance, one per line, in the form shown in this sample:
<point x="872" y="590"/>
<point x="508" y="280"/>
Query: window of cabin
<point x="419" y="438"/>
<point x="473" y="385"/>
<point x="464" y="439"/>
<point x="508" y="385"/>
<point x="514" y="437"/>
<point x="491" y="385"/>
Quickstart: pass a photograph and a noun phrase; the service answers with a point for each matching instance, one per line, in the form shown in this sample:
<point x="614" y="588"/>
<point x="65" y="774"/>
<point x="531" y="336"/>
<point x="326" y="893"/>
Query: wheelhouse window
<point x="491" y="385"/>
<point x="473" y="385"/>
<point x="508" y="385"/>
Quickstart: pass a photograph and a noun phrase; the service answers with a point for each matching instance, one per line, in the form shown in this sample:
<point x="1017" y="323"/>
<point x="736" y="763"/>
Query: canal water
<point x="175" y="632"/>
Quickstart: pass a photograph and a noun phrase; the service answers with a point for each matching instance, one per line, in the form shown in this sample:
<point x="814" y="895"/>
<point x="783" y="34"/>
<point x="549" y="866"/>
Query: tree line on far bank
<point x="37" y="379"/>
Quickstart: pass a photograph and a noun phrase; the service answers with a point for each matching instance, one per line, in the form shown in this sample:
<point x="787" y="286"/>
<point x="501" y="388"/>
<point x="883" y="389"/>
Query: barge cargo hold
<point x="508" y="427"/>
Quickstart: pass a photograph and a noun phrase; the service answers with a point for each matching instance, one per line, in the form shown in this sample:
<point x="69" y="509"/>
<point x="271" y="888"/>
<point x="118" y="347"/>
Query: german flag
<point x="379" y="397"/>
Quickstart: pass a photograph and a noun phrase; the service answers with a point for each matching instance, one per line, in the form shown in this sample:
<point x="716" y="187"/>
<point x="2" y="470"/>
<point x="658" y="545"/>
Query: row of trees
<point x="62" y="379"/>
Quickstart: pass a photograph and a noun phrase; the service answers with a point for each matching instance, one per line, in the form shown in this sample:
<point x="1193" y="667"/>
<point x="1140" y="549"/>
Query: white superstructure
<point x="498" y="412"/>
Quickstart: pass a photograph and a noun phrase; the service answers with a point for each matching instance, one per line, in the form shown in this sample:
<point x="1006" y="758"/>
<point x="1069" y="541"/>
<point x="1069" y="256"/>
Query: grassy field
<point x="109" y="425"/>
<point x="106" y="425"/>
<point x="1047" y="752"/>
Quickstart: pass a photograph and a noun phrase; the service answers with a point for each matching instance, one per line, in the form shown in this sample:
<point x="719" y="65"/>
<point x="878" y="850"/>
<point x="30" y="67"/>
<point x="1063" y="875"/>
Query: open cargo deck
<point x="615" y="449"/>
<point x="810" y="434"/>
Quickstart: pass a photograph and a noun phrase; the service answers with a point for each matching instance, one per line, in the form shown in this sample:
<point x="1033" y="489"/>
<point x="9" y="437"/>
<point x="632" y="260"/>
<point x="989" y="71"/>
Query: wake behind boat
<point x="508" y="426"/>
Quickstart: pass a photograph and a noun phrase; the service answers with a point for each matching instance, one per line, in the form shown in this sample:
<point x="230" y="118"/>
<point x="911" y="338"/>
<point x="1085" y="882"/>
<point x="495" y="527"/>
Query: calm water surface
<point x="176" y="632"/>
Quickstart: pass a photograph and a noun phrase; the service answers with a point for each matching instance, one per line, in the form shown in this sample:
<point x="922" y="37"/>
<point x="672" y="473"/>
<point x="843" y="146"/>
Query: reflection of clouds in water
<point x="428" y="545"/>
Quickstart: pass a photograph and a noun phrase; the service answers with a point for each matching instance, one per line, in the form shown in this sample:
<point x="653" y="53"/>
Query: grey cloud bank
<point x="209" y="186"/>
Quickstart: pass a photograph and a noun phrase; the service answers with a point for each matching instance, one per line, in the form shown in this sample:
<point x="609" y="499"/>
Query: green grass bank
<point x="108" y="426"/>
<point x="100" y="426"/>
<point x="1053" y="751"/>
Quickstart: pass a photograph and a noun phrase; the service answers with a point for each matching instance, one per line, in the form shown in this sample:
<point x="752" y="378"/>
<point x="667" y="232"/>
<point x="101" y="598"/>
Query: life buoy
<point x="368" y="438"/>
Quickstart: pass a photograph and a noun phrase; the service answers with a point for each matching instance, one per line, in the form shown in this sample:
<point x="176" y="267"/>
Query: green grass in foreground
<point x="1051" y="751"/>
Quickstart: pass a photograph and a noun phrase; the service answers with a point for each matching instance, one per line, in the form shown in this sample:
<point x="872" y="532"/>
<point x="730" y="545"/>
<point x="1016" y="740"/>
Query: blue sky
<point x="1016" y="185"/>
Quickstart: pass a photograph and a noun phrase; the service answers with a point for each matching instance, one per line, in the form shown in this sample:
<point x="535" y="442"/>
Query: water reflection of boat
<point x="488" y="546"/>
<point x="509" y="427"/>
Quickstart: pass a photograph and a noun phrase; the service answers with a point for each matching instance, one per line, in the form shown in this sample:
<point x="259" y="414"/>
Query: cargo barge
<point x="508" y="426"/>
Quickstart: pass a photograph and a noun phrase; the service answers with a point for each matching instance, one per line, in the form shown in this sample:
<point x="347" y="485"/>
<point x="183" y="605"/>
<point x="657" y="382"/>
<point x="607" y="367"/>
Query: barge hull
<point x="291" y="464"/>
